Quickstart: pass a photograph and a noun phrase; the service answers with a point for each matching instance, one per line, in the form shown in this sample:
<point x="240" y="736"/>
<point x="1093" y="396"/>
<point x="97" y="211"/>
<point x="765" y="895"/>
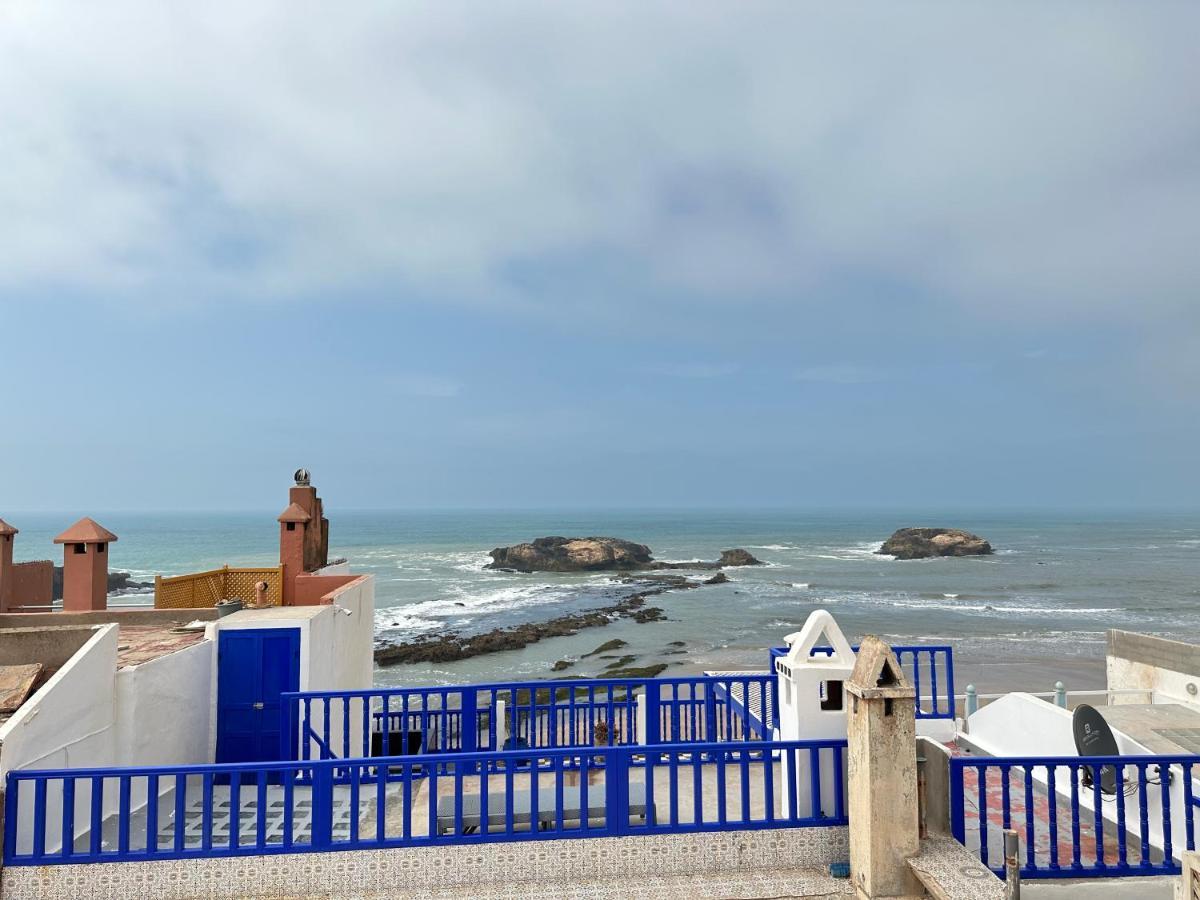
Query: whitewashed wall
<point x="68" y="723"/>
<point x="163" y="709"/>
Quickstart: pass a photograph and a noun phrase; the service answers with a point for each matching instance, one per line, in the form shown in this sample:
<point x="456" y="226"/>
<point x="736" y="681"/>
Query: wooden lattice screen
<point x="202" y="590"/>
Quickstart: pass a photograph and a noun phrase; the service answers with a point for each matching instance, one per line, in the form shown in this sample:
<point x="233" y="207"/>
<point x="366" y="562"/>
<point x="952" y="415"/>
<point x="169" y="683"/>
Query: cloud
<point x="1017" y="161"/>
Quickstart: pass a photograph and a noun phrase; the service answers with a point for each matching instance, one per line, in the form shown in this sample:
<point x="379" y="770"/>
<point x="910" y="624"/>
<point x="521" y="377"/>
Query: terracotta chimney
<point x="292" y="524"/>
<point x="85" y="565"/>
<point x="7" y="533"/>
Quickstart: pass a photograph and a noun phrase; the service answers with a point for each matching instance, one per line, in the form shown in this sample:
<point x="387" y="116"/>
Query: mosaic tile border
<point x="418" y="871"/>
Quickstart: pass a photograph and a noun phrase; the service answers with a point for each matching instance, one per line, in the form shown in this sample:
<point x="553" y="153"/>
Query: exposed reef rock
<point x="597" y="554"/>
<point x="738" y="557"/>
<point x="118" y="583"/>
<point x="923" y="543"/>
<point x="454" y="646"/>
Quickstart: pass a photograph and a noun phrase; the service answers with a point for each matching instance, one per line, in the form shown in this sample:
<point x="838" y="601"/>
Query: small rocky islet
<point x="926" y="543"/>
<point x="598" y="554"/>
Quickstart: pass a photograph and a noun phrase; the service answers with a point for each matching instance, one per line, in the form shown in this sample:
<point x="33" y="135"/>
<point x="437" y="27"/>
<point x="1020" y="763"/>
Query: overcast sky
<point x="638" y="254"/>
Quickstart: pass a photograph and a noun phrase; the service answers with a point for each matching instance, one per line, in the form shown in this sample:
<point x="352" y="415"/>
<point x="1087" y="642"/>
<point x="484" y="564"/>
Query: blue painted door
<point x="254" y="666"/>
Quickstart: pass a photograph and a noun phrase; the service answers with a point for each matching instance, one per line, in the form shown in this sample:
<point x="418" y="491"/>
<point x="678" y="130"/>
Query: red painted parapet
<point x="33" y="586"/>
<point x="85" y="565"/>
<point x="318" y="590"/>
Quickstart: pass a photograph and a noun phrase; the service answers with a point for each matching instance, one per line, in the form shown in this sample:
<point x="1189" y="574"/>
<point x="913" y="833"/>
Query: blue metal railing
<point x="539" y="714"/>
<point x="1078" y="816"/>
<point x="181" y="812"/>
<point x="930" y="669"/>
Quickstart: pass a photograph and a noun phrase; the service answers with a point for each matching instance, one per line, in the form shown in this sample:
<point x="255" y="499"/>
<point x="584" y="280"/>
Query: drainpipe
<point x="922" y="826"/>
<point x="1012" y="865"/>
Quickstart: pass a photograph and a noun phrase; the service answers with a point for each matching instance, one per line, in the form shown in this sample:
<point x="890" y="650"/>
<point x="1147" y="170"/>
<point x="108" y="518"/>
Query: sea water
<point x="1054" y="586"/>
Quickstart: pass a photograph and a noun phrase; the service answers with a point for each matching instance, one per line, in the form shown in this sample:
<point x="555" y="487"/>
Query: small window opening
<point x="832" y="698"/>
<point x="100" y="548"/>
<point x="79" y="548"/>
<point x="291" y="526"/>
<point x="887" y="677"/>
<point x="887" y="706"/>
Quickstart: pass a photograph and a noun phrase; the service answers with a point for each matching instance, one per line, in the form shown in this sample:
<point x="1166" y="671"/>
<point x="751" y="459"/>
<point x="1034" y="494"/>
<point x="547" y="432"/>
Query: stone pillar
<point x="882" y="737"/>
<point x="7" y="536"/>
<point x="85" y="566"/>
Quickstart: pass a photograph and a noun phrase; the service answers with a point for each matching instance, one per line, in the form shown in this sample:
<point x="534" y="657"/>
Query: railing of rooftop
<point x="1078" y="816"/>
<point x="529" y="715"/>
<point x="102" y="815"/>
<point x="930" y="669"/>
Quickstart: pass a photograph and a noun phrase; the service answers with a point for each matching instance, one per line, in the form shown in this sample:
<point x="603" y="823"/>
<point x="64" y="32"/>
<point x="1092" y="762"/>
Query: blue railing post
<point x="653" y="714"/>
<point x="322" y="806"/>
<point x="710" y="710"/>
<point x="468" y="725"/>
<point x="288" y="735"/>
<point x="957" y="813"/>
<point x="950" y="681"/>
<point x="10" y="817"/>
<point x="616" y="791"/>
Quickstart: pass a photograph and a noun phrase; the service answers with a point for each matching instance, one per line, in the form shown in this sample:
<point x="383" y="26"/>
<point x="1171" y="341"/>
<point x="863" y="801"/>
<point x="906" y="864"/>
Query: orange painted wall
<point x="314" y="590"/>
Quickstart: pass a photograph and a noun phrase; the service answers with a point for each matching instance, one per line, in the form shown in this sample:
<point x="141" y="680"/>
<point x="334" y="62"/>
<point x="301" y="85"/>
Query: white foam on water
<point x="772" y="547"/>
<point x="856" y="552"/>
<point x="465" y="601"/>
<point x="950" y="596"/>
<point x="394" y="619"/>
<point x="474" y="562"/>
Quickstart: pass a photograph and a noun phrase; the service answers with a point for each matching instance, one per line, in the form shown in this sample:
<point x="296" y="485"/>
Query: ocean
<point x="1040" y="604"/>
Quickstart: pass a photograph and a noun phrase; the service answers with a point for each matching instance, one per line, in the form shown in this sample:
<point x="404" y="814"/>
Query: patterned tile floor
<point x="801" y="884"/>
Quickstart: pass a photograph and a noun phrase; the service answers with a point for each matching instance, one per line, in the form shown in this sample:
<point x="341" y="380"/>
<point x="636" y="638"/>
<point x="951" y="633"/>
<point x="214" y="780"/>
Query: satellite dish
<point x="1093" y="737"/>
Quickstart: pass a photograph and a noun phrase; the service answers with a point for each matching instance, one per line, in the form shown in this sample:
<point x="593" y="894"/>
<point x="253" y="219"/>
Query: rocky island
<point x="924" y="543"/>
<point x="598" y="554"/>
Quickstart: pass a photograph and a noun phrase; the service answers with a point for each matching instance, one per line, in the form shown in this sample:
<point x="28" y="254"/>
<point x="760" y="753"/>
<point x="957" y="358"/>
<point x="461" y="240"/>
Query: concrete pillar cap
<point x="86" y="531"/>
<point x="877" y="673"/>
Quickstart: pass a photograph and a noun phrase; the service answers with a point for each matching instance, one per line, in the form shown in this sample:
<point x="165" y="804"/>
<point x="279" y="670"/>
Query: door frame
<point x="292" y="681"/>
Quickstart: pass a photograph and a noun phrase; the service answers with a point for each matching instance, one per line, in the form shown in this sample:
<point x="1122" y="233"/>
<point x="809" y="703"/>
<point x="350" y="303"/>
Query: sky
<point x="599" y="254"/>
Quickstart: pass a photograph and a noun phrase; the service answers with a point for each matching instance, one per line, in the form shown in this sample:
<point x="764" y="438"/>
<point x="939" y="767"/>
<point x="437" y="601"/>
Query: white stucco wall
<point x="163" y="709"/>
<point x="68" y="721"/>
<point x="336" y="648"/>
